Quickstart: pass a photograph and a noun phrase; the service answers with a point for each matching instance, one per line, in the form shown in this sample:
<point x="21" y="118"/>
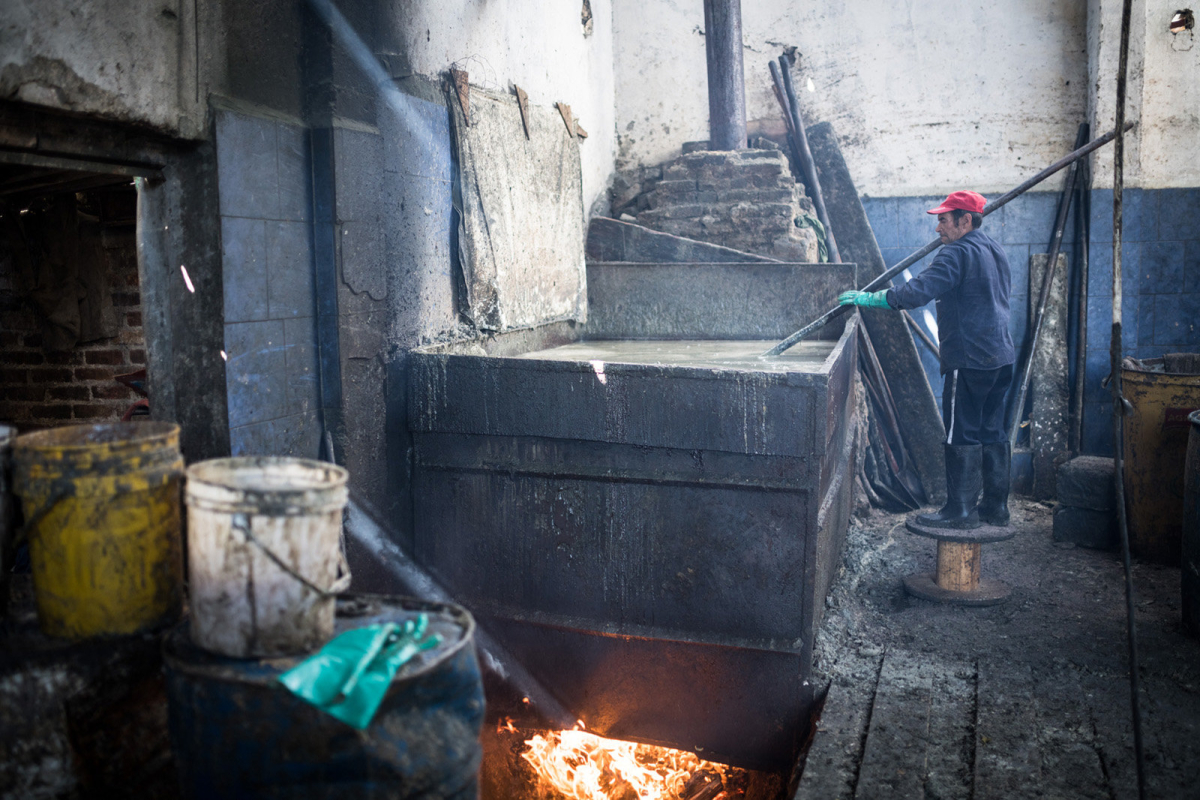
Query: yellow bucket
<point x="102" y="510"/>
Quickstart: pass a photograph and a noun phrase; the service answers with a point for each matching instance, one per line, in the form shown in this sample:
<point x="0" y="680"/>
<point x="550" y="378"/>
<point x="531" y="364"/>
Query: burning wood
<point x="582" y="766"/>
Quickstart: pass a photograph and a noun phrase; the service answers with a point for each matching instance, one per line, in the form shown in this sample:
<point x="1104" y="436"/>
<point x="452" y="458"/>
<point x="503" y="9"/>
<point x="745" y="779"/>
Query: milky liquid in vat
<point x="743" y="356"/>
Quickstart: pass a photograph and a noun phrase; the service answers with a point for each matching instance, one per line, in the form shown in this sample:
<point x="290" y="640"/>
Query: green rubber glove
<point x="868" y="299"/>
<point x="349" y="676"/>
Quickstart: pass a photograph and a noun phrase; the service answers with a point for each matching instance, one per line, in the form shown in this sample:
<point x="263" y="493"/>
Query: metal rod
<point x="1083" y="217"/>
<point x="364" y="527"/>
<point x="922" y="335"/>
<point x="786" y="108"/>
<point x="726" y="75"/>
<point x="1025" y="372"/>
<point x="995" y="205"/>
<point x="808" y="167"/>
<point x="777" y="82"/>
<point x="1118" y="399"/>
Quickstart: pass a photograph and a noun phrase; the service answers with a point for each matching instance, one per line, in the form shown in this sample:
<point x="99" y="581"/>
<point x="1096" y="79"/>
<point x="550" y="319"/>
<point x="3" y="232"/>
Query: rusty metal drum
<point x="1190" y="551"/>
<point x="7" y="512"/>
<point x="1161" y="392"/>
<point x="236" y="732"/>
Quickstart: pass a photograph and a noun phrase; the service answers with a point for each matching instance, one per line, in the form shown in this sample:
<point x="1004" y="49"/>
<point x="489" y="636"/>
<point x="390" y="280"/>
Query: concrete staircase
<point x="905" y="725"/>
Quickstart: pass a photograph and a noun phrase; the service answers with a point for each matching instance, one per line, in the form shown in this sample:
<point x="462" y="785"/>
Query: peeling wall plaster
<point x="926" y="97"/>
<point x="1163" y="94"/>
<point x="128" y="60"/>
<point x="540" y="45"/>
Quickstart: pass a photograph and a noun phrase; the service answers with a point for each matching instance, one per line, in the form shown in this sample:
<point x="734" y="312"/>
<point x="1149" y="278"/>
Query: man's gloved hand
<point x="868" y="299"/>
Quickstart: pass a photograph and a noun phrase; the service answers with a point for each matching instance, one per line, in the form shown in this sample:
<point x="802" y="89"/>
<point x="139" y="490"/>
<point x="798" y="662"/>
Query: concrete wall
<point x="539" y="45"/>
<point x="925" y="96"/>
<point x="378" y="257"/>
<point x="140" y="61"/>
<point x="1163" y="94"/>
<point x="270" y="306"/>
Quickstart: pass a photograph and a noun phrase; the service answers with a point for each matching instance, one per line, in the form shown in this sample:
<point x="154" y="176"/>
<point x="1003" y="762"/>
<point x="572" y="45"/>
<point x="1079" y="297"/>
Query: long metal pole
<point x="364" y="527"/>
<point x="1084" y="231"/>
<point x="1060" y="223"/>
<point x="922" y="335"/>
<point x="726" y="76"/>
<point x="995" y="205"/>
<point x="808" y="167"/>
<point x="1118" y="400"/>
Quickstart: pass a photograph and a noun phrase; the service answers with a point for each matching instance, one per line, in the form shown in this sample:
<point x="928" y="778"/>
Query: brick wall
<point x="44" y="389"/>
<point x="744" y="199"/>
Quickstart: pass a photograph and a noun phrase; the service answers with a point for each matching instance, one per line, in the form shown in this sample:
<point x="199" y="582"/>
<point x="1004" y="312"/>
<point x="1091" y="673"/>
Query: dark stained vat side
<point x="236" y="732"/>
<point x="652" y="540"/>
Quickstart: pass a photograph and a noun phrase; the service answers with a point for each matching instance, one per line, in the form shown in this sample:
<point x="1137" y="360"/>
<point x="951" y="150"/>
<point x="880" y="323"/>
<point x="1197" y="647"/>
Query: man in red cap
<point x="969" y="278"/>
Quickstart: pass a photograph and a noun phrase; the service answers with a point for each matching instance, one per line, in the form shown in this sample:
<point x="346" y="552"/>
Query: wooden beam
<point x="29" y="159"/>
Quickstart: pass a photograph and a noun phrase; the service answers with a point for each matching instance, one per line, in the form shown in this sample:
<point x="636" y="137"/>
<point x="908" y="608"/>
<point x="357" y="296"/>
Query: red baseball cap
<point x="961" y="201"/>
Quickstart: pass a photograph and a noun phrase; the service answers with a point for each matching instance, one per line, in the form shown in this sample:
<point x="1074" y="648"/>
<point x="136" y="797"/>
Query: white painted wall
<point x="926" y="96"/>
<point x="1163" y="94"/>
<point x="538" y="45"/>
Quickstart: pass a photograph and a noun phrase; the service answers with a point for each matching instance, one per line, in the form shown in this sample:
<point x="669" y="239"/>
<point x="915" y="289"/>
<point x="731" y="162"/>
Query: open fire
<point x="580" y="765"/>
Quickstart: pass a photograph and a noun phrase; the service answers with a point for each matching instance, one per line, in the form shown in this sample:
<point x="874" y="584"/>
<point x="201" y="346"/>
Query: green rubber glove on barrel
<point x="868" y="299"/>
<point x="350" y="675"/>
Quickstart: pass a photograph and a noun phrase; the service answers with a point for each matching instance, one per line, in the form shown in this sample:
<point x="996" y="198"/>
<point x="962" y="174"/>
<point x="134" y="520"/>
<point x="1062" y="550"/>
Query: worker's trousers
<point x="973" y="405"/>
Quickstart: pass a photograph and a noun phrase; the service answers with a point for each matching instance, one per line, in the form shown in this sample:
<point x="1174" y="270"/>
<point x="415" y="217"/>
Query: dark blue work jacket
<point x="970" y="280"/>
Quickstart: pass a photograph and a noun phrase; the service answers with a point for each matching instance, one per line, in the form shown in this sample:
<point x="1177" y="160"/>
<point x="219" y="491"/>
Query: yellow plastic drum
<point x="102" y="510"/>
<point x="1162" y="392"/>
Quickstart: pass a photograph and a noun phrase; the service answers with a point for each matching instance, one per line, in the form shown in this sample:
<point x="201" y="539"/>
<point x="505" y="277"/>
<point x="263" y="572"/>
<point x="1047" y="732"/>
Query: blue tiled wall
<point x="266" y="251"/>
<point x="1161" y="275"/>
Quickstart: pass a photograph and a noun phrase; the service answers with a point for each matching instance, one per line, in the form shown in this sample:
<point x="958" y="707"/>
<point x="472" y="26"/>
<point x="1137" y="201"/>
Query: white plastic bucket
<point x="264" y="554"/>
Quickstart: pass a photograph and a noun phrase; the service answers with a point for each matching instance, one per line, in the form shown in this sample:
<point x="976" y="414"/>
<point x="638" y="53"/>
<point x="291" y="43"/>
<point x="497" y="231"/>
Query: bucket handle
<point x="241" y="522"/>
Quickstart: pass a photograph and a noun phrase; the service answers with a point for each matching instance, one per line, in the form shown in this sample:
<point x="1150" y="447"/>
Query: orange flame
<point x="582" y="766"/>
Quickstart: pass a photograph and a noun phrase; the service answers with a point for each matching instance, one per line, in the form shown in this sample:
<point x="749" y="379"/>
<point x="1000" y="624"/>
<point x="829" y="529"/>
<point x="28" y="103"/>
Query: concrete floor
<point x="1026" y="699"/>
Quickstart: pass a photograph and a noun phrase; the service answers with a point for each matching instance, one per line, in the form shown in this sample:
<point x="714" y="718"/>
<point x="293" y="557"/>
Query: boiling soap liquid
<point x="744" y="356"/>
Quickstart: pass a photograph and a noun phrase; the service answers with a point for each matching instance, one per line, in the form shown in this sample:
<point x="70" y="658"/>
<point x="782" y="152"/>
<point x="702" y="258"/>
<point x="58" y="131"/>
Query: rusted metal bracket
<point x="523" y="104"/>
<point x="464" y="92"/>
<point x="568" y="120"/>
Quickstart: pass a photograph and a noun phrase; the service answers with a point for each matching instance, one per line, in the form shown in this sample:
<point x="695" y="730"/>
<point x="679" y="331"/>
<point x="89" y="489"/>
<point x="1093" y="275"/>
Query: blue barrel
<point x="236" y="732"/>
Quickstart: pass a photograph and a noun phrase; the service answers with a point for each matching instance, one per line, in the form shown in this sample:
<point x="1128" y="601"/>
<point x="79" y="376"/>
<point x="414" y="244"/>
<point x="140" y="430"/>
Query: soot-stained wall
<point x="270" y="312"/>
<point x="376" y="167"/>
<point x="314" y="220"/>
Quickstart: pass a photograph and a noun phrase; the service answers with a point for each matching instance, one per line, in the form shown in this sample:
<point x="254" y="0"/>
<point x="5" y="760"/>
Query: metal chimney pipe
<point x="726" y="77"/>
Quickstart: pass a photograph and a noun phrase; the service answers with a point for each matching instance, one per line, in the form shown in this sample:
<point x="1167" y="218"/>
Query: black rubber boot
<point x="963" y="479"/>
<point x="993" y="509"/>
